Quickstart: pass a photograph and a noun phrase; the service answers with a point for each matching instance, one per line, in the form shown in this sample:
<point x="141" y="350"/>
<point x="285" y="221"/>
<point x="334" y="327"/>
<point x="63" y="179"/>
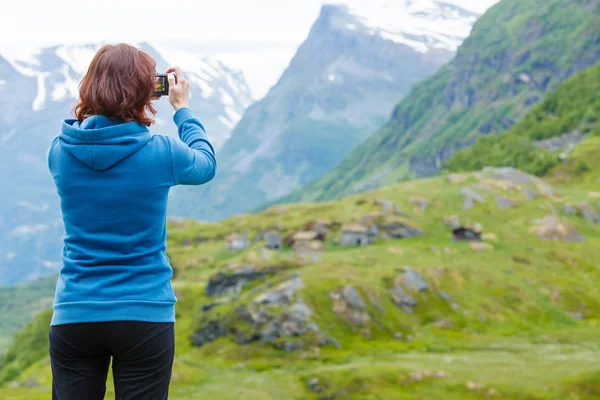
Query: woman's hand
<point x="179" y="93"/>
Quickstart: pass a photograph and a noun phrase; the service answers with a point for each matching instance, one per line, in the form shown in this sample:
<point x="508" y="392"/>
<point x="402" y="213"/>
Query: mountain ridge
<point x="340" y="86"/>
<point x="498" y="73"/>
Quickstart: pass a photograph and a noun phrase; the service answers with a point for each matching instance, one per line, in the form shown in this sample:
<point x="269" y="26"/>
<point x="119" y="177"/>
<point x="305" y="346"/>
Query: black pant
<point x="142" y="360"/>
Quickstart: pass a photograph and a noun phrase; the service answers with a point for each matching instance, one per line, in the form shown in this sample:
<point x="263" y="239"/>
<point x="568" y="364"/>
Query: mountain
<point x="421" y="317"/>
<point x="517" y="52"/>
<point x="37" y="89"/>
<point x="547" y="135"/>
<point x="340" y="86"/>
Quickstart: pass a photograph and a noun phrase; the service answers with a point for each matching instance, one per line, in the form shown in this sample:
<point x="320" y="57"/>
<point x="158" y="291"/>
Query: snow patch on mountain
<point x="421" y="24"/>
<point x="40" y="99"/>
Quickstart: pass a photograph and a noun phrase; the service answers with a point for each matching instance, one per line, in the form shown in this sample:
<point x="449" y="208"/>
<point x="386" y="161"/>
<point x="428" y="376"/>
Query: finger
<point x="171" y="69"/>
<point x="171" y="78"/>
<point x="178" y="73"/>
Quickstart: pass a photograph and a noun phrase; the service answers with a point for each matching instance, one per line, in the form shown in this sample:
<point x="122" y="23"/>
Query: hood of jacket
<point x="101" y="142"/>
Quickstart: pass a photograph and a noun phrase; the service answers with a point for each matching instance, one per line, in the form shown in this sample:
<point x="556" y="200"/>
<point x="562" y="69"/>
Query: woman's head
<point x="118" y="84"/>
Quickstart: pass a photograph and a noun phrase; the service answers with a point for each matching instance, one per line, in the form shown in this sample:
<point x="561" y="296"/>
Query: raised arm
<point x="193" y="156"/>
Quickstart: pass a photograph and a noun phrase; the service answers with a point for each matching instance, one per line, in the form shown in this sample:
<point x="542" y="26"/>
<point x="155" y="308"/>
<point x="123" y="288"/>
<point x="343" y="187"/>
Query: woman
<point x="114" y="298"/>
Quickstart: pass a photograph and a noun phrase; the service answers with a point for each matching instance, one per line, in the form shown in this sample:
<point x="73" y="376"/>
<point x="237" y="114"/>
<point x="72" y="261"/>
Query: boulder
<point x="314" y="385"/>
<point x="237" y="242"/>
<point x="419" y="202"/>
<point x="283" y="293"/>
<point x="589" y="213"/>
<point x="402" y="299"/>
<point x="348" y="304"/>
<point x="209" y="333"/>
<point x="481" y="246"/>
<point x="290" y="346"/>
<point x="553" y="228"/>
<point x="458" y="178"/>
<point x="569" y="209"/>
<point x="513" y="178"/>
<point x="489" y="237"/>
<point x="412" y="280"/>
<point x="292" y="322"/>
<point x="504" y="203"/>
<point x="452" y="222"/>
<point x="471" y="197"/>
<point x="399" y="228"/>
<point x="233" y="279"/>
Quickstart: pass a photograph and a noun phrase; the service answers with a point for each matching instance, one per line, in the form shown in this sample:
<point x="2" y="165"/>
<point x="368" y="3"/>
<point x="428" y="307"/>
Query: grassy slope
<point x="518" y="51"/>
<point x="18" y="305"/>
<point x="573" y="107"/>
<point x="514" y="331"/>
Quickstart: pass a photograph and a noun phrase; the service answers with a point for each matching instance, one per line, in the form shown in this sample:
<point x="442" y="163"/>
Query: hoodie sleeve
<point x="193" y="157"/>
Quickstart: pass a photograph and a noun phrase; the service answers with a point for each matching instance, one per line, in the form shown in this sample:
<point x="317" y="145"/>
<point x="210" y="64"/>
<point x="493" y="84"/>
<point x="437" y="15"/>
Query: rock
<point x="30" y="383"/>
<point x="348" y="304"/>
<point x="314" y="385"/>
<point x="577" y="315"/>
<point x="386" y="205"/>
<point x="520" y="179"/>
<point x="552" y="228"/>
<point x="474" y="385"/>
<point x="452" y="222"/>
<point x="290" y="346"/>
<point x="399" y="228"/>
<point x="589" y="213"/>
<point x="210" y="306"/>
<point x="227" y="283"/>
<point x="294" y="321"/>
<point x="472" y="194"/>
<point x="490" y="237"/>
<point x="566" y="141"/>
<point x="273" y="241"/>
<point x="178" y="223"/>
<point x="569" y="209"/>
<point x="209" y="333"/>
<point x="421" y="203"/>
<point x="480" y="246"/>
<point x="420" y="376"/>
<point x="504" y="203"/>
<point x="445" y="296"/>
<point x="283" y="293"/>
<point x="444" y="324"/>
<point x="237" y="242"/>
<point x="352" y="297"/>
<point x="458" y="178"/>
<point x="413" y="280"/>
<point x="403" y="299"/>
<point x="468" y="203"/>
<point x="594" y="195"/>
<point x="329" y="341"/>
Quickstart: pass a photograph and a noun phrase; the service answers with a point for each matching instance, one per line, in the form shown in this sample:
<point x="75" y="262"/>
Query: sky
<point x="241" y="33"/>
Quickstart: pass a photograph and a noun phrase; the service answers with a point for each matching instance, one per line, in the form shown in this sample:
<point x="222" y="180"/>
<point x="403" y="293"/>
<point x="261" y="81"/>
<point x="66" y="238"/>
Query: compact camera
<point x="161" y="85"/>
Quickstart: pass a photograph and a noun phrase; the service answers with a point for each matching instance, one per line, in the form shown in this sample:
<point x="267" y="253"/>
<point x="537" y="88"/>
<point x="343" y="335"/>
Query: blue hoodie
<point x="113" y="179"/>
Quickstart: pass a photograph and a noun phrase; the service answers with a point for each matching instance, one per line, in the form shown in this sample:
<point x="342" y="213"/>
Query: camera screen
<point x="159" y="85"/>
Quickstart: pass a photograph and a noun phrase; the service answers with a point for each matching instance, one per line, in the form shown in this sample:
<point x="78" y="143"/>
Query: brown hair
<point x="118" y="84"/>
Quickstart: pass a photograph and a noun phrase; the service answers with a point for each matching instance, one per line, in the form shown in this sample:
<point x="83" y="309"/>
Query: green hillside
<point x="18" y="305"/>
<point x="518" y="51"/>
<point x="573" y="109"/>
<point x="513" y="317"/>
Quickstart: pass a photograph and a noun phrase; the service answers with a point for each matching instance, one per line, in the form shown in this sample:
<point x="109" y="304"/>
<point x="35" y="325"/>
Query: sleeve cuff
<point x="181" y="115"/>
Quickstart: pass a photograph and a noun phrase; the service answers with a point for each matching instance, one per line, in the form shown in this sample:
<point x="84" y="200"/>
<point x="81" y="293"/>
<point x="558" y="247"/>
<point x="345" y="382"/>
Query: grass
<point x="513" y="331"/>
